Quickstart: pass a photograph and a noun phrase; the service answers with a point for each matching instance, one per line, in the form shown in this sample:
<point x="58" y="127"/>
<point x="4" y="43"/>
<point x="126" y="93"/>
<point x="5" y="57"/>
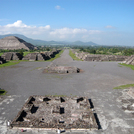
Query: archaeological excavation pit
<point x="62" y="69"/>
<point x="51" y="113"/>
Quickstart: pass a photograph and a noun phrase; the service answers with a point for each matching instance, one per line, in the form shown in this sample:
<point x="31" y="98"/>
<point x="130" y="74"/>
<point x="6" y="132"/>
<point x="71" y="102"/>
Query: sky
<point x="105" y="22"/>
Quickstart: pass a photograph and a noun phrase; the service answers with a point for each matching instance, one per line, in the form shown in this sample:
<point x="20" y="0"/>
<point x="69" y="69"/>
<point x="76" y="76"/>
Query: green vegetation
<point x="1" y="54"/>
<point x="127" y="65"/>
<point x="108" y="50"/>
<point x="25" y="53"/>
<point x="9" y="63"/>
<point x="56" y="56"/>
<point x="124" y="86"/>
<point x="73" y="56"/>
<point x="2" y="92"/>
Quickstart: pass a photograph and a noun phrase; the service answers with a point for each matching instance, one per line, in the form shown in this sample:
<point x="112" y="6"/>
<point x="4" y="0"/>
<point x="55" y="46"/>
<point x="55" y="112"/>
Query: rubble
<point x="127" y="100"/>
<point x="56" y="113"/>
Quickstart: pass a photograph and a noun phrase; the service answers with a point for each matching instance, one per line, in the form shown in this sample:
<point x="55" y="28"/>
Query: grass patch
<point x="26" y="53"/>
<point x="2" y="92"/>
<point x="73" y="56"/>
<point x="124" y="86"/>
<point x="56" y="56"/>
<point x="1" y="54"/>
<point x="9" y="63"/>
<point x="127" y="65"/>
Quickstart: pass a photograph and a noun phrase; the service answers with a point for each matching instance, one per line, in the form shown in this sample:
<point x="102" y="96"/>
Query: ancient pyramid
<point x="13" y="42"/>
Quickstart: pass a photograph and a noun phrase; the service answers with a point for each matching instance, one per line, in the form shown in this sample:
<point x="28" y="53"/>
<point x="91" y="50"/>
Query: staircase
<point x="130" y="60"/>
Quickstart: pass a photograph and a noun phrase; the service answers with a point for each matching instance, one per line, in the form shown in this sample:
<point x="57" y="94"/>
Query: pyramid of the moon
<point x="13" y="42"/>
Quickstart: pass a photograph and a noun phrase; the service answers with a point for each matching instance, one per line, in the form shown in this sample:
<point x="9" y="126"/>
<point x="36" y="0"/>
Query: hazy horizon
<point x="100" y="21"/>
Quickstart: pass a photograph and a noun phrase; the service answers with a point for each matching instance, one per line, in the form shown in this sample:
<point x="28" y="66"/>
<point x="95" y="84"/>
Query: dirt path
<point x="65" y="59"/>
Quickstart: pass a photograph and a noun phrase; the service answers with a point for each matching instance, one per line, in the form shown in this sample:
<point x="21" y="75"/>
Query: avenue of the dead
<point x="95" y="82"/>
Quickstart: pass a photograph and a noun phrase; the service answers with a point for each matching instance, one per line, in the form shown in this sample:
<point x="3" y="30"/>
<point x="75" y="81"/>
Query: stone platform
<point x="62" y="69"/>
<point x="70" y="113"/>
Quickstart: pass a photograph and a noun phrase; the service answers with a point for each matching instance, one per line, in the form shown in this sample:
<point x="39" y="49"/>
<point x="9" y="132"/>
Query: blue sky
<point x="106" y="22"/>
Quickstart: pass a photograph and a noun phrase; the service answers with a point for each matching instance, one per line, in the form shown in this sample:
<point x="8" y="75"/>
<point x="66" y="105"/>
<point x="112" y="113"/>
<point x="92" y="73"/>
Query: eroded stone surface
<point x="127" y="100"/>
<point x="56" y="112"/>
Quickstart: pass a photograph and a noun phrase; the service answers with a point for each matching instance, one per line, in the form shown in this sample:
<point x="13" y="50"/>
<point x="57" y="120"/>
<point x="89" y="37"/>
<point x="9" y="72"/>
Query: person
<point x="58" y="131"/>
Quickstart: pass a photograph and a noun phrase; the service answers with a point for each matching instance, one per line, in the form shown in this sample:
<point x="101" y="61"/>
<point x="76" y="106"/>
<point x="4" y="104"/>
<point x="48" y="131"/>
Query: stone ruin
<point x="14" y="43"/>
<point x="2" y="60"/>
<point x="7" y="56"/>
<point x="41" y="56"/>
<point x="129" y="60"/>
<point x="11" y="56"/>
<point x="98" y="57"/>
<point x="62" y="69"/>
<point x="51" y="113"/>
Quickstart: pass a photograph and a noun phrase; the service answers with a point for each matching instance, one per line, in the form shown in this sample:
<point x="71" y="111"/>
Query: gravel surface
<point x="96" y="82"/>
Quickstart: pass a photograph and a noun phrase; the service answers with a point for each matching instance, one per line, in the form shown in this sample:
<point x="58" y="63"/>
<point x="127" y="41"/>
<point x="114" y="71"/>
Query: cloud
<point x="47" y="33"/>
<point x="18" y="23"/>
<point x="59" y="7"/>
<point x="21" y="28"/>
<point x="109" y="26"/>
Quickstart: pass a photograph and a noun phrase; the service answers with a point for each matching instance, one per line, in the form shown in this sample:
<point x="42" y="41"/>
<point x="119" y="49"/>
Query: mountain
<point x="84" y="43"/>
<point x="42" y="42"/>
<point x="13" y="42"/>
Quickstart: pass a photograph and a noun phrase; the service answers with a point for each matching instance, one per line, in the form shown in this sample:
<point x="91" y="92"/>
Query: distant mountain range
<point x="42" y="42"/>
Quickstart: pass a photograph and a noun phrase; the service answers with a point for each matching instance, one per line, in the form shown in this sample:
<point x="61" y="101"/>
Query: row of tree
<point x="107" y="50"/>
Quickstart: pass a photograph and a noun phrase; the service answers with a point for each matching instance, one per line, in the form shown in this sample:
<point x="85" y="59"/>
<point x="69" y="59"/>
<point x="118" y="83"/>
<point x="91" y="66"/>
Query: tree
<point x="21" y="52"/>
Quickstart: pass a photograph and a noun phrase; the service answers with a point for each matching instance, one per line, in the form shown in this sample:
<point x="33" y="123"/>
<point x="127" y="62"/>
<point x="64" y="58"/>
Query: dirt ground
<point x="95" y="82"/>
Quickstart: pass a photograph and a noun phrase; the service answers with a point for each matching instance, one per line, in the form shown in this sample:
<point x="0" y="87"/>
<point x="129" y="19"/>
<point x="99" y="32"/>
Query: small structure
<point x="11" y="56"/>
<point x="73" y="113"/>
<point x="61" y="69"/>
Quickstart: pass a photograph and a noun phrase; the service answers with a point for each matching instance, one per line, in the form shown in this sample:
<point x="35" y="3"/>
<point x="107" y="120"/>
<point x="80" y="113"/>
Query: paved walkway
<point x="96" y="82"/>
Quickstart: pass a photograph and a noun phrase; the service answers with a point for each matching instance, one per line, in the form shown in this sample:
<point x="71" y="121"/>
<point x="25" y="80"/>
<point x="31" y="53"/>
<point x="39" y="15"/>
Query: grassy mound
<point x="73" y="56"/>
